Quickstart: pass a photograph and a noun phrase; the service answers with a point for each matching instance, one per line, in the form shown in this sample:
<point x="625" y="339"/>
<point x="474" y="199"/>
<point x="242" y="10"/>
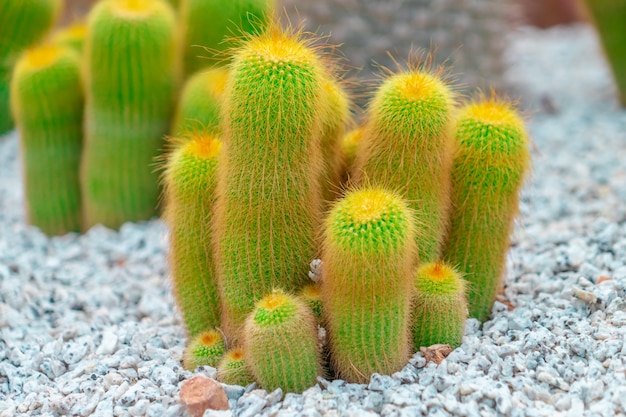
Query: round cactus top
<point x="438" y="278"/>
<point x="275" y="308"/>
<point x="42" y="56"/>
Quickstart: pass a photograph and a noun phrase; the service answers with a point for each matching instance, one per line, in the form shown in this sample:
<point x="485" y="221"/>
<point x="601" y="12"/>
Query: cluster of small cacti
<point x="414" y="243"/>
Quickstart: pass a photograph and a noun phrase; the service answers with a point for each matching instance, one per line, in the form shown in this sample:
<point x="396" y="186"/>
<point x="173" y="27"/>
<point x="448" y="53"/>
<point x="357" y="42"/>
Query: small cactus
<point x="190" y="179"/>
<point x="205" y="349"/>
<point x="47" y="101"/>
<point x="349" y="146"/>
<point x="368" y="257"/>
<point x="407" y="145"/>
<point x="439" y="306"/>
<point x="280" y="341"/>
<point x="72" y="36"/>
<point x="312" y="293"/>
<point x="233" y="370"/>
<point x="490" y="164"/>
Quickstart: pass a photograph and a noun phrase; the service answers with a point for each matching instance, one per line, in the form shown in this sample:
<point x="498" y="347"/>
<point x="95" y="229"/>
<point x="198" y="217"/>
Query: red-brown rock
<point x="201" y="393"/>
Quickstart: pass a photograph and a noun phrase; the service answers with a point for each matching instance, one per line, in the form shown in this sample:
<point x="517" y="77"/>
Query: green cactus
<point x="199" y="105"/>
<point x="72" y="36"/>
<point x="368" y="257"/>
<point x="268" y="206"/>
<point x="22" y="24"/>
<point x="439" y="306"/>
<point x="490" y="165"/>
<point x="233" y="370"/>
<point x="407" y="145"/>
<point x="190" y="179"/>
<point x="47" y="101"/>
<point x="349" y="144"/>
<point x="280" y="341"/>
<point x="130" y="82"/>
<point x="311" y="293"/>
<point x="205" y="349"/>
<point x="210" y="25"/>
<point x="610" y="20"/>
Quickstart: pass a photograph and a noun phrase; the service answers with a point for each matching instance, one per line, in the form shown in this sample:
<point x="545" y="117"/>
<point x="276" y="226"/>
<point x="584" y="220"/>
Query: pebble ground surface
<point x="88" y="327"/>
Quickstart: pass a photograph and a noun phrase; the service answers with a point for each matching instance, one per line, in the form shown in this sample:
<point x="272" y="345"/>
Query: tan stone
<point x="436" y="353"/>
<point x="201" y="393"/>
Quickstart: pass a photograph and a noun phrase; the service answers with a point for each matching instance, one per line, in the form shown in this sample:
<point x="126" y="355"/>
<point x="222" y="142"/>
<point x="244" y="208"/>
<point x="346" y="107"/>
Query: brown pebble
<point x="604" y="278"/>
<point x="436" y="353"/>
<point x="200" y="393"/>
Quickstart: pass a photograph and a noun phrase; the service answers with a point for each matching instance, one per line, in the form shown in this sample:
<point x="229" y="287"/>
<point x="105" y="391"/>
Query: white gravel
<point x="87" y="325"/>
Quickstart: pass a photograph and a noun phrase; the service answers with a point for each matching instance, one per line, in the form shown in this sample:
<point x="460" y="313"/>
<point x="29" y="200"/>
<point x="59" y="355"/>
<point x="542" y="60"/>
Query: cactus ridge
<point x="233" y="369"/>
<point x="368" y="257"/>
<point x="407" y="145"/>
<point x="440" y="306"/>
<point x="47" y="100"/>
<point x="205" y="349"/>
<point x="490" y="164"/>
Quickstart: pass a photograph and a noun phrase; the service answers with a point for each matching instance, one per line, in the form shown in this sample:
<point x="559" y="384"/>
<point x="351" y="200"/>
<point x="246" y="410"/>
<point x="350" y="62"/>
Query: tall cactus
<point x="490" y="164"/>
<point x="368" y="253"/>
<point x="47" y="100"/>
<point x="130" y="80"/>
<point x="190" y="178"/>
<point x="22" y="23"/>
<point x="268" y="174"/>
<point x="407" y="145"/>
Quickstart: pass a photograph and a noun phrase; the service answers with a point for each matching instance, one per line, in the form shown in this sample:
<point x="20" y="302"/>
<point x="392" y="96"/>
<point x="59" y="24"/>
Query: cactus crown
<point x="437" y="278"/>
<point x="204" y="349"/>
<point x="137" y="8"/>
<point x="275" y="308"/>
<point x="41" y="56"/>
<point x="202" y="146"/>
<point x="234" y="359"/>
<point x="76" y="31"/>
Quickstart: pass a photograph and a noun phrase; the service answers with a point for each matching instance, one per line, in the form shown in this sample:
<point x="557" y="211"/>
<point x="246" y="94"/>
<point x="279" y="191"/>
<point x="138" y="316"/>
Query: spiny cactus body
<point x="47" y="100"/>
<point x="268" y="175"/>
<point x="280" y="341"/>
<point x="312" y="293"/>
<point x="349" y="146"/>
<point x="131" y="75"/>
<point x="439" y="306"/>
<point x="368" y="257"/>
<point x="72" y="36"/>
<point x="233" y="370"/>
<point x="490" y="164"/>
<point x="199" y="106"/>
<point x="407" y="145"/>
<point x="190" y="179"/>
<point x="22" y="24"/>
<point x="205" y="349"/>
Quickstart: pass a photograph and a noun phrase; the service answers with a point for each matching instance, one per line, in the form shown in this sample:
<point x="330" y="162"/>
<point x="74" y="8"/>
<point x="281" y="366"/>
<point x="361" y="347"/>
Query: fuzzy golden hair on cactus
<point x="312" y="295"/>
<point x="268" y="206"/>
<point x="368" y="257"/>
<point x="439" y="306"/>
<point x="280" y="342"/>
<point x="205" y="349"/>
<point x="349" y="145"/>
<point x="407" y="144"/>
<point x="490" y="164"/>
<point x="47" y="101"/>
<point x="233" y="370"/>
<point x="189" y="179"/>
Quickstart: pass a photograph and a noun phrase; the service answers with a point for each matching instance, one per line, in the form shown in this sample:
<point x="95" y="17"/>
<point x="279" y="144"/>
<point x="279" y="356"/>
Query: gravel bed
<point x="88" y="327"/>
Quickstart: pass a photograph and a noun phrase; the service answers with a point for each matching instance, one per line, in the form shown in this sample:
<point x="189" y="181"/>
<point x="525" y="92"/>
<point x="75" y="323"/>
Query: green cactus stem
<point x="439" y="306"/>
<point x="205" y="349"/>
<point x="368" y="256"/>
<point x="407" y="145"/>
<point x="47" y="101"/>
<point x="130" y="72"/>
<point x="233" y="370"/>
<point x="490" y="165"/>
<point x="22" y="24"/>
<point x="349" y="145"/>
<point x="72" y="36"/>
<point x="312" y="294"/>
<point x="199" y="106"/>
<point x="190" y="179"/>
<point x="268" y="206"/>
<point x="280" y="341"/>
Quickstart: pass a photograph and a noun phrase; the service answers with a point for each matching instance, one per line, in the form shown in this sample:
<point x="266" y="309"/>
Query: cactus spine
<point x="199" y="106"/>
<point x="227" y="19"/>
<point x="22" y="24"/>
<point x="280" y="341"/>
<point x="407" y="145"/>
<point x="440" y="306"/>
<point x="490" y="164"/>
<point x="368" y="257"/>
<point x="233" y="370"/>
<point x="190" y="179"/>
<point x="47" y="100"/>
<point x="130" y="81"/>
<point x="205" y="349"/>
<point x="268" y="175"/>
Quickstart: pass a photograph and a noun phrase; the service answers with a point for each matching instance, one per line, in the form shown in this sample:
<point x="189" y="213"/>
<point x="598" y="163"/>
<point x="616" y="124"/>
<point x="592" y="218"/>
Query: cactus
<point x="205" y="349"/>
<point x="199" y="105"/>
<point x="208" y="24"/>
<point x="232" y="369"/>
<point x="311" y="293"/>
<point x="268" y="205"/>
<point x="368" y="256"/>
<point x="439" y="306"/>
<point x="72" y="36"/>
<point x="130" y="81"/>
<point x="408" y="145"/>
<point x="490" y="164"/>
<point x="280" y="341"/>
<point x="22" y="24"/>
<point x="610" y="19"/>
<point x="190" y="179"/>
<point x="349" y="145"/>
<point x="47" y="101"/>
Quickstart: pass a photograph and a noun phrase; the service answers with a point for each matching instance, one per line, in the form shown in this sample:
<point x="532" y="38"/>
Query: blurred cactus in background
<point x="72" y="36"/>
